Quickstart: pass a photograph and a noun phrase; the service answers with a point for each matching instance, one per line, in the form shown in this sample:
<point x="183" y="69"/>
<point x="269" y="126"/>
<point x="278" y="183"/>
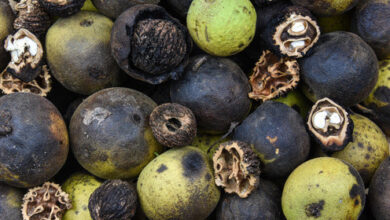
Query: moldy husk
<point x="236" y="168"/>
<point x="149" y="44"/>
<point x="273" y="76"/>
<point x="291" y="32"/>
<point x="62" y="8"/>
<point x="113" y="200"/>
<point x="330" y="125"/>
<point x="45" y="202"/>
<point x="32" y="17"/>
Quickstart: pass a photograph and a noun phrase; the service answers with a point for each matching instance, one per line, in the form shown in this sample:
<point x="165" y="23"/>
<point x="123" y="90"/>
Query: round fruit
<point x="113" y="8"/>
<point x="368" y="148"/>
<point x="10" y="202"/>
<point x="371" y="23"/>
<point x="78" y="53"/>
<point x="110" y="133"/>
<point x="6" y="28"/>
<point x="323" y="188"/>
<point x="341" y="67"/>
<point x="378" y="100"/>
<point x="327" y="7"/>
<point x="34" y="135"/>
<point x="379" y="192"/>
<point x="222" y="27"/>
<point x="263" y="203"/>
<point x="178" y="184"/>
<point x="278" y="135"/>
<point x="216" y="90"/>
<point x="80" y="186"/>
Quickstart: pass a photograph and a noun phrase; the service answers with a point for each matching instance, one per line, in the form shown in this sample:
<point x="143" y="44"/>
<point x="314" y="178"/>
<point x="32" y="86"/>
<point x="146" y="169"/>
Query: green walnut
<point x="368" y="148"/>
<point x="323" y="188"/>
<point x="222" y="27"/>
<point x="80" y="186"/>
<point x="178" y="184"/>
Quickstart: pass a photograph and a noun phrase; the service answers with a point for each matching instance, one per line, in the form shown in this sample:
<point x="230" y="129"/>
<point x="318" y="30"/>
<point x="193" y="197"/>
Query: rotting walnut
<point x="32" y="17"/>
<point x="149" y="44"/>
<point x="173" y="125"/>
<point x="45" y="202"/>
<point x="237" y="168"/>
<point x="26" y="55"/>
<point x="293" y="32"/>
<point x="273" y="76"/>
<point x="41" y="85"/>
<point x="113" y="200"/>
<point x="330" y="125"/>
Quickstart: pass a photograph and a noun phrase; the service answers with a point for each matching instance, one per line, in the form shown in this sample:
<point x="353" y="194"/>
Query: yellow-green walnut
<point x="222" y="27"/>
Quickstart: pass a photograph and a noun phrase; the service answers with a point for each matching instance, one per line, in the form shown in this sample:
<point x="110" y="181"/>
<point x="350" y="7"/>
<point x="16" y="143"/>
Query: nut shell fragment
<point x="237" y="168"/>
<point x="45" y="202"/>
<point x="173" y="125"/>
<point x="273" y="76"/>
<point x="41" y="85"/>
<point x="330" y="125"/>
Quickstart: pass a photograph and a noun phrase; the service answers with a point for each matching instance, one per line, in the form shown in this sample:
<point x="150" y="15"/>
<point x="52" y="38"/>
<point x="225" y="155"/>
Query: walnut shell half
<point x="45" y="202"/>
<point x="237" y="168"/>
<point x="273" y="76"/>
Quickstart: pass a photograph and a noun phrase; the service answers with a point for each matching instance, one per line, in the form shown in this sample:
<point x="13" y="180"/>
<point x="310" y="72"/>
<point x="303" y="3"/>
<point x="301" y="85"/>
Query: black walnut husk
<point x="173" y="125"/>
<point x="113" y="8"/>
<point x="149" y="44"/>
<point x="62" y="8"/>
<point x="113" y="200"/>
<point x="33" y="17"/>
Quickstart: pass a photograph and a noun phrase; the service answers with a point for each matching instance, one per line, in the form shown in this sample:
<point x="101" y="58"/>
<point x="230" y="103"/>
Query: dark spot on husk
<point x="208" y="177"/>
<point x="367" y="156"/>
<point x="96" y="73"/>
<point x="162" y="168"/>
<point x="360" y="145"/>
<point x="370" y="148"/>
<point x="320" y="172"/>
<point x="355" y="191"/>
<point x="356" y="202"/>
<point x="136" y="118"/>
<point x="193" y="164"/>
<point x="382" y="93"/>
<point x="86" y="23"/>
<point x="314" y="209"/>
<point x="241" y="45"/>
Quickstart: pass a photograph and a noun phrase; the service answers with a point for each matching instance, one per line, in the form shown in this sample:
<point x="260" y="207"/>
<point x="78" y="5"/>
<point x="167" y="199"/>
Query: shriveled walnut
<point x="330" y="125"/>
<point x="47" y="202"/>
<point x="41" y="85"/>
<point x="26" y="55"/>
<point x="32" y="17"/>
<point x="292" y="32"/>
<point x="237" y="168"/>
<point x="273" y="76"/>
